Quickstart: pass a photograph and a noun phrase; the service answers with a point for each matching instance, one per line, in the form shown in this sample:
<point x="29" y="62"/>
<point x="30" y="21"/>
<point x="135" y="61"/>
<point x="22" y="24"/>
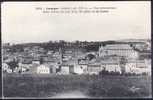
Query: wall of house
<point x="137" y="68"/>
<point x="43" y="69"/>
<point x="65" y="69"/>
<point x="113" y="68"/>
<point x="94" y="69"/>
<point x="129" y="67"/>
<point x="79" y="69"/>
<point x="6" y="68"/>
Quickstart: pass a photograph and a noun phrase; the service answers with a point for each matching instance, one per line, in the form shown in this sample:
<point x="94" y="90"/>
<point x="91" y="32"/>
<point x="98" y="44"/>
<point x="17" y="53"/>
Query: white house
<point x="138" y="67"/>
<point x="16" y="70"/>
<point x="65" y="69"/>
<point x="6" y="68"/>
<point x="130" y="67"/>
<point x="80" y="69"/>
<point x="113" y="67"/>
<point x="43" y="69"/>
<point x="24" y="67"/>
<point x="84" y="68"/>
<point x="94" y="68"/>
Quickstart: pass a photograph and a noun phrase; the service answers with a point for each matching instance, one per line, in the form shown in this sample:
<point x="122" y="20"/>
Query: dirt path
<point x="71" y="94"/>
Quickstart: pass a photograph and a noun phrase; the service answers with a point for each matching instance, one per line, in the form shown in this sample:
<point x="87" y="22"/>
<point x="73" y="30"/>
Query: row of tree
<point x="104" y="72"/>
<point x="55" y="45"/>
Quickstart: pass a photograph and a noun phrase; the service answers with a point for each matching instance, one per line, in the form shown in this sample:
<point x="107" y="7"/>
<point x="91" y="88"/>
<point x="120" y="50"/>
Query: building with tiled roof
<point x="125" y="50"/>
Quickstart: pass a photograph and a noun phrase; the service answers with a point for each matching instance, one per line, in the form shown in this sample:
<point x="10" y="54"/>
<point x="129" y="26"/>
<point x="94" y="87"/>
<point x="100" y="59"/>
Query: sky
<point x="22" y="23"/>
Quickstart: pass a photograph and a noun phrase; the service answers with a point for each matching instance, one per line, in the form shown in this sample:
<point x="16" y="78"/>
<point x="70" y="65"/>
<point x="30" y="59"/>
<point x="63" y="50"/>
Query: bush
<point x="118" y="91"/>
<point x="18" y="85"/>
<point x="104" y="72"/>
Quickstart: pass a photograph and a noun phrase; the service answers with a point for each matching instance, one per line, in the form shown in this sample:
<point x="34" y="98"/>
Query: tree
<point x="41" y="60"/>
<point x="77" y="42"/>
<point x="104" y="72"/>
<point x="90" y="56"/>
<point x="13" y="64"/>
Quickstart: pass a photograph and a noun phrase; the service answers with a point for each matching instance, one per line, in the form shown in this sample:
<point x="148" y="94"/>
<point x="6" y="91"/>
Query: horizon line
<point x="77" y="40"/>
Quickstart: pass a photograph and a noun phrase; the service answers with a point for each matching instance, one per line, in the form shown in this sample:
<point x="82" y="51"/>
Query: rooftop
<point x="118" y="46"/>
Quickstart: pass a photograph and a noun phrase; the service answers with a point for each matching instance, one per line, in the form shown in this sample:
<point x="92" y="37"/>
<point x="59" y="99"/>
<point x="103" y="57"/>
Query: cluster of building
<point x="121" y="58"/>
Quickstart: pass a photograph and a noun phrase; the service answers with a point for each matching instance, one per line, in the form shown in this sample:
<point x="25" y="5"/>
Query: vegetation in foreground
<point x="15" y="85"/>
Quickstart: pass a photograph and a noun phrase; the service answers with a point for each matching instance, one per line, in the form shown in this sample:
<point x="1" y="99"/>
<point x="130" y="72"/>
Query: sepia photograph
<point x="76" y="49"/>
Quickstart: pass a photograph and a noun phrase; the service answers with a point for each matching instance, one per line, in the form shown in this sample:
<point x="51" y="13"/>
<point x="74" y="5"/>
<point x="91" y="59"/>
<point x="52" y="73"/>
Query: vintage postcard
<point x="76" y="49"/>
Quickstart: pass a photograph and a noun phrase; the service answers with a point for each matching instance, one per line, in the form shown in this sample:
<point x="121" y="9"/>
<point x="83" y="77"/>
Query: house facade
<point x="138" y="67"/>
<point x="94" y="68"/>
<point x="80" y="69"/>
<point x="112" y="67"/>
<point x="65" y="69"/>
<point x="42" y="69"/>
<point x="6" y="68"/>
<point x="23" y="67"/>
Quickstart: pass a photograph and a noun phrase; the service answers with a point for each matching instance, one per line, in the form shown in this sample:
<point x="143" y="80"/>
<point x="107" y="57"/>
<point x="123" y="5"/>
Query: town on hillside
<point x="79" y="57"/>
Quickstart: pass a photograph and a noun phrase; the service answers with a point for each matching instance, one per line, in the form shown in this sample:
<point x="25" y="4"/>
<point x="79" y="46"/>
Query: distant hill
<point x="134" y="40"/>
<point x="89" y="46"/>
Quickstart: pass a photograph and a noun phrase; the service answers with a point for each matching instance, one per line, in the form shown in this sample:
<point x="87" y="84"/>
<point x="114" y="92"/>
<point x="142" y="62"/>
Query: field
<point x="15" y="85"/>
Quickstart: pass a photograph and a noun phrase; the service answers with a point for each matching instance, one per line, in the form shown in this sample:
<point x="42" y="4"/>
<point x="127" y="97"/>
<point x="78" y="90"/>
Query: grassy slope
<point x="94" y="86"/>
